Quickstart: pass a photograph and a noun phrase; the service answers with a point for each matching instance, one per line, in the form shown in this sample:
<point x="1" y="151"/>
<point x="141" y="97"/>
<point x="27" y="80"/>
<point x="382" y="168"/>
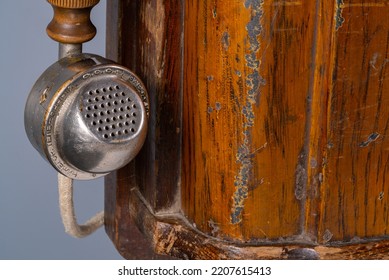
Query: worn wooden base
<point x="172" y="235"/>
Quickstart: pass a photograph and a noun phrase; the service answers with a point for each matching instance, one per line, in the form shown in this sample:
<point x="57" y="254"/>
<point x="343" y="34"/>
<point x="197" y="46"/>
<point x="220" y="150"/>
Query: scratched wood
<point x="128" y="240"/>
<point x="149" y="35"/>
<point x="356" y="190"/>
<point x="267" y="132"/>
<point x="171" y="235"/>
<point x="247" y="79"/>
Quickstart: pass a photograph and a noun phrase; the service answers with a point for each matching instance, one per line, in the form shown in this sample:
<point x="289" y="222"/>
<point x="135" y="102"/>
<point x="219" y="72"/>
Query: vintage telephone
<point x="86" y="115"/>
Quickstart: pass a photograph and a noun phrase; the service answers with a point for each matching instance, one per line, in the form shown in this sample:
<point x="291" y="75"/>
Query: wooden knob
<point x="71" y="22"/>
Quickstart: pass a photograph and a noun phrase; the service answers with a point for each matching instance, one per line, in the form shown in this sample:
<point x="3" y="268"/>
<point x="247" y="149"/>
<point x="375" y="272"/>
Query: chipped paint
<point x="214" y="12"/>
<point x="339" y="19"/>
<point x="301" y="178"/>
<point x="226" y="40"/>
<point x="214" y="227"/>
<point x="244" y="156"/>
<point x="327" y="236"/>
<point x="372" y="137"/>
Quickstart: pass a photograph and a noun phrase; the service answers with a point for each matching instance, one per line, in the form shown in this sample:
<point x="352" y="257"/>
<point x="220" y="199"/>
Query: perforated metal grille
<point x="112" y="112"/>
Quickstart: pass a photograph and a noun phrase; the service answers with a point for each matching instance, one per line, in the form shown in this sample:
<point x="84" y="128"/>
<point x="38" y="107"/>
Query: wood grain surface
<point x="356" y="189"/>
<point x="268" y="126"/>
<point x="146" y="36"/>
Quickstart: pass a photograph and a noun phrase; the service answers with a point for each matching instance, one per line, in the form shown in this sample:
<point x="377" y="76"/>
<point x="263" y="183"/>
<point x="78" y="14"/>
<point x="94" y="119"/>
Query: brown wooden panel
<point x="282" y="112"/>
<point x="248" y="84"/>
<point x="356" y="192"/>
<point x="149" y="43"/>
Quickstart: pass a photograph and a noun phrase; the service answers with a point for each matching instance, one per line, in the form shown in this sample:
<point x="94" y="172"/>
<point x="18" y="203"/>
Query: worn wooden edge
<point x="172" y="235"/>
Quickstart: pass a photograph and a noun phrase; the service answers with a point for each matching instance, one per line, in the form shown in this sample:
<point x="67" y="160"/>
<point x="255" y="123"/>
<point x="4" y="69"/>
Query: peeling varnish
<point x="327" y="236"/>
<point x="301" y="176"/>
<point x="372" y="137"/>
<point x="218" y="107"/>
<point x="244" y="156"/>
<point x="339" y="19"/>
<point x="214" y="227"/>
<point x="226" y="40"/>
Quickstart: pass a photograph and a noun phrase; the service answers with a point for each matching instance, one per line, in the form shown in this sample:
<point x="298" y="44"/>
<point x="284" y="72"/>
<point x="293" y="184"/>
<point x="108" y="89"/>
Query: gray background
<point x="30" y="225"/>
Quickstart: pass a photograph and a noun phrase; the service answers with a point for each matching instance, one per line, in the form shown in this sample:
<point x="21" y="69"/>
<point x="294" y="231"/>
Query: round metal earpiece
<point x="87" y="116"/>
